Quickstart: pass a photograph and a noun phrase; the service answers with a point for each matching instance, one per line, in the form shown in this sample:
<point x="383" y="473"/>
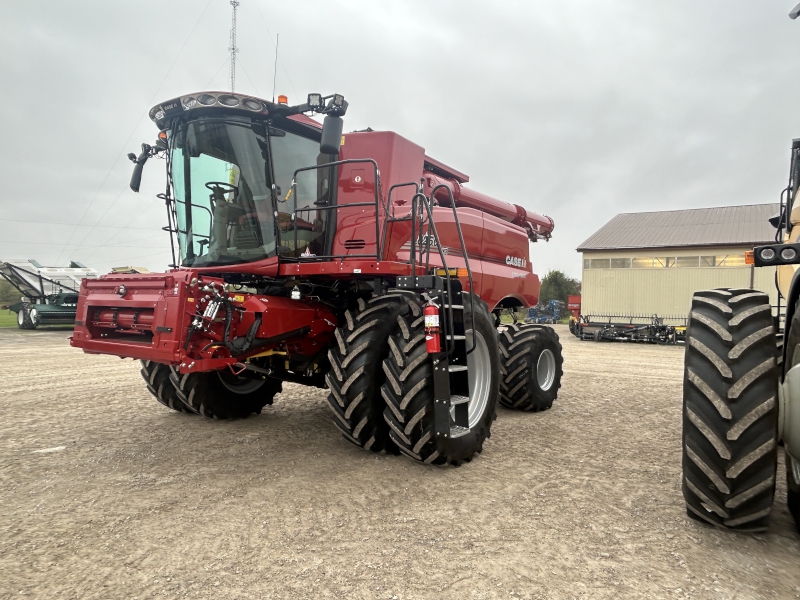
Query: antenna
<point x="233" y="49"/>
<point x="275" y="69"/>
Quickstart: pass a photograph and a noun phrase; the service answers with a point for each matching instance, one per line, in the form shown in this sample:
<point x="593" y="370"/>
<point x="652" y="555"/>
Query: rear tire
<point x="222" y="395"/>
<point x="531" y="363"/>
<point x="157" y="378"/>
<point x="408" y="390"/>
<point x="356" y="376"/>
<point x="730" y="409"/>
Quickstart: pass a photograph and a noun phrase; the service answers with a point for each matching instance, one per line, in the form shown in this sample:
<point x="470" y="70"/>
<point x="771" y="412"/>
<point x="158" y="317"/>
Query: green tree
<point x="558" y="286"/>
<point x="8" y="293"/>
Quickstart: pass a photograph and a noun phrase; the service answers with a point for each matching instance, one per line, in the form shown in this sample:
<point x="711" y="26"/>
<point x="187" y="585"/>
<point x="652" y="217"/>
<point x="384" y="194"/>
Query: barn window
<point x="642" y="263"/>
<point x="620" y="263"/>
<point x="686" y="262"/>
<point x="708" y="261"/>
<point x="731" y="260"/>
<point x="600" y="263"/>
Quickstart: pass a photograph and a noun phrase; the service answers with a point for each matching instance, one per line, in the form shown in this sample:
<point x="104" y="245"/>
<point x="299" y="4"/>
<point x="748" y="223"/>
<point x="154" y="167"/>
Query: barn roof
<point x="721" y="226"/>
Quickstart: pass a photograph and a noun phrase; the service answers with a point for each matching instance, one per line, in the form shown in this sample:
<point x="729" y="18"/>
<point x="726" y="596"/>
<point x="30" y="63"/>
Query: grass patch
<point x="8" y="318"/>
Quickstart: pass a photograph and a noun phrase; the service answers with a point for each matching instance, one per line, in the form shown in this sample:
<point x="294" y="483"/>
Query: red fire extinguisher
<point x="433" y="343"/>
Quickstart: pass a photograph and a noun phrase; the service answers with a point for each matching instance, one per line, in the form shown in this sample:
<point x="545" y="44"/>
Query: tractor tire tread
<point x="157" y="377"/>
<point x="521" y="345"/>
<point x="355" y="378"/>
<point x="203" y="394"/>
<point x="730" y="409"/>
<point x="408" y="392"/>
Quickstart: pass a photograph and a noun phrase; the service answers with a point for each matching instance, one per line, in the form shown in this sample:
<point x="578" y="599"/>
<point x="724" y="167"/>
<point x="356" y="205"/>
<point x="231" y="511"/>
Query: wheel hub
<point x="480" y="378"/>
<point x="239" y="384"/>
<point x="546" y="370"/>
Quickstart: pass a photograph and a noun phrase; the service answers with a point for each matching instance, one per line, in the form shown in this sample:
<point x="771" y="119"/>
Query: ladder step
<point x="455" y="337"/>
<point x="458" y="400"/>
<point x="457" y="368"/>
<point x="454" y="306"/>
<point x="457" y="431"/>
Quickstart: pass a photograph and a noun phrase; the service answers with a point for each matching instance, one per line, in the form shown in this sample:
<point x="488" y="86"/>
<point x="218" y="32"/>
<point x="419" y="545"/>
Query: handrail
<point x="463" y="250"/>
<point x="389" y="204"/>
<point x="450" y="344"/>
<point x="337" y="206"/>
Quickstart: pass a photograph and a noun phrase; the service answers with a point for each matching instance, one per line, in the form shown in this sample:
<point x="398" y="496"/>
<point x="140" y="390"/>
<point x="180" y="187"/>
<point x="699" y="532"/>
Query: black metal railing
<point x="335" y="207"/>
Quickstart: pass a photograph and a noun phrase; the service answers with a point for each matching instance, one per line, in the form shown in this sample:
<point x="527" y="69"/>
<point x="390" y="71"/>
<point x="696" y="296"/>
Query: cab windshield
<point x="222" y="184"/>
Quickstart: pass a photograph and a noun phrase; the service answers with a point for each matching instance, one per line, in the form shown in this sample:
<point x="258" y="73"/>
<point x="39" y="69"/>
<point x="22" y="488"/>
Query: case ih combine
<point x="353" y="262"/>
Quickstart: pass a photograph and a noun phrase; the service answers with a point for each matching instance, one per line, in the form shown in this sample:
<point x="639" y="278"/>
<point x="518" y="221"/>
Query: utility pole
<point x="233" y="49"/>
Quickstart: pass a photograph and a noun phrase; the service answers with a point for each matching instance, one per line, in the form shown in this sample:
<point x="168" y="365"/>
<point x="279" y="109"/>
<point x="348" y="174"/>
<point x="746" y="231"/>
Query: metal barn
<point x="650" y="263"/>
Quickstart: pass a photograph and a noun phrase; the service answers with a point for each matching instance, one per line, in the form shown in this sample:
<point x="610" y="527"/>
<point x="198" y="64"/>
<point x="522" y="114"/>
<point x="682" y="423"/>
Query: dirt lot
<point x="106" y="494"/>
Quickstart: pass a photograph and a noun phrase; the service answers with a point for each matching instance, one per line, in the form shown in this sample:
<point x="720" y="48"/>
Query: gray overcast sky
<point x="575" y="109"/>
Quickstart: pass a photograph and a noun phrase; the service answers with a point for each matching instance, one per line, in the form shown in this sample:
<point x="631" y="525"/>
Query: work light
<point x="315" y="100"/>
<point x="252" y="104"/>
<point x="228" y="100"/>
<point x="767" y="254"/>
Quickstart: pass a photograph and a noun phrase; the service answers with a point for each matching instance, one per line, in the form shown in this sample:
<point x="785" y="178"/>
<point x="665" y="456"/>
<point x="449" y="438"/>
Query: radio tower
<point x="233" y="49"/>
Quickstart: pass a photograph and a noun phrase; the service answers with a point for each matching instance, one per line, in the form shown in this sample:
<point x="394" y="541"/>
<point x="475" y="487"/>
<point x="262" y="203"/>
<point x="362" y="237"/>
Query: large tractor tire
<point x="408" y="390"/>
<point x="730" y="409"/>
<point x="223" y="395"/>
<point x="793" y="466"/>
<point x="157" y="377"/>
<point x="531" y="366"/>
<point x="356" y="376"/>
<point x="27" y="317"/>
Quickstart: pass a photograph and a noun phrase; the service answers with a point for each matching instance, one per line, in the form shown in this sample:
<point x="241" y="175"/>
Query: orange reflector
<point x="162" y="135"/>
<point x="749" y="257"/>
<point x="459" y="272"/>
<point x="283" y="99"/>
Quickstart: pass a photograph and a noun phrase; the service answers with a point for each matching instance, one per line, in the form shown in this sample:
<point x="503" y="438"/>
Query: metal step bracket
<point x="441" y="397"/>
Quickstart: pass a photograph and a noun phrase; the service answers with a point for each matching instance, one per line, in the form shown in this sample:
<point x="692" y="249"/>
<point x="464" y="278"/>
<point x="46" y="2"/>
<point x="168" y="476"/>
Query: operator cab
<point x="231" y="164"/>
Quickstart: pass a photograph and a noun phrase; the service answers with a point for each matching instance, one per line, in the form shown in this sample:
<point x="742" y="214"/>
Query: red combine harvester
<point x="352" y="262"/>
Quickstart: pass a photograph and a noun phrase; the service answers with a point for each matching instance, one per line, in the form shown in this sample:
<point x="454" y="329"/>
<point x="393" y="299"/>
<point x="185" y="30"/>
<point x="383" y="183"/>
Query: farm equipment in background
<point x="617" y="328"/>
<point x="547" y="314"/>
<point x="49" y="294"/>
<point x="354" y="262"/>
<point x="574" y="306"/>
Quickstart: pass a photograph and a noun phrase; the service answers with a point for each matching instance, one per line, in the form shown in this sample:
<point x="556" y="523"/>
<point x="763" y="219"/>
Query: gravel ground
<point x="107" y="494"/>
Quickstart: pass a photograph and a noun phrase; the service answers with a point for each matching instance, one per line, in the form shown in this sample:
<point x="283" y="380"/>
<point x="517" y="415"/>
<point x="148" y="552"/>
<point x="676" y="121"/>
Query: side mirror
<point x="331" y="135"/>
<point x="138" y="165"/>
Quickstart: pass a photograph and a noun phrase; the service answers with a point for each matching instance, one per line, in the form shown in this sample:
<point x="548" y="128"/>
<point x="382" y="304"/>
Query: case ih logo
<point x="516" y="262"/>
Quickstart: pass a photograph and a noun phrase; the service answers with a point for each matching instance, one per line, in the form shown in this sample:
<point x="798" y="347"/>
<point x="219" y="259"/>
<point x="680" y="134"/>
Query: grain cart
<point x="49" y="295"/>
<point x="354" y="262"/>
<point x="741" y="387"/>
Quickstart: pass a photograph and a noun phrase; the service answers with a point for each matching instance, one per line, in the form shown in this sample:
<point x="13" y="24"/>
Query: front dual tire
<point x="382" y="347"/>
<point x="408" y="389"/>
